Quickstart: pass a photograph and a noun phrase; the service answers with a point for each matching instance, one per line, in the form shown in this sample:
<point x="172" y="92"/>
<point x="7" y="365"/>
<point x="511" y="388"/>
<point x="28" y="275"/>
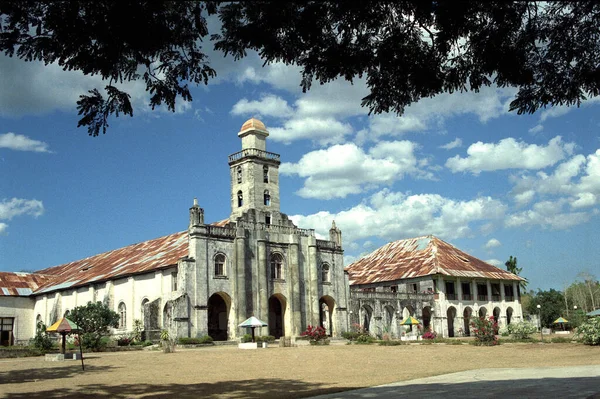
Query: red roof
<point x="21" y="284"/>
<point x="138" y="258"/>
<point x="418" y="257"/>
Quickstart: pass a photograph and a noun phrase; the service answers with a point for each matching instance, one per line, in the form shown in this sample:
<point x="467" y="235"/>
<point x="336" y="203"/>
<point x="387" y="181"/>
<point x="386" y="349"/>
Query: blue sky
<point x="458" y="166"/>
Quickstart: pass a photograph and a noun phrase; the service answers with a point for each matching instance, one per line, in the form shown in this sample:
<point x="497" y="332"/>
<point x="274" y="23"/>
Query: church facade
<point x="205" y="280"/>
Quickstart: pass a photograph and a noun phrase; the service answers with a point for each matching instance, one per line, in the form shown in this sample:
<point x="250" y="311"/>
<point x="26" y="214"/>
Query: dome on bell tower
<point x="253" y="134"/>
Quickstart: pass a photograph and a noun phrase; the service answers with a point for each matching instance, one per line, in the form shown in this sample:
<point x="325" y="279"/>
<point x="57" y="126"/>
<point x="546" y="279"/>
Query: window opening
<point x="266" y="174"/>
<point x="240" y="199"/>
<point x="325" y="273"/>
<point x="122" y="316"/>
<point x="267" y="219"/>
<point x="174" y="281"/>
<point x="220" y="265"/>
<point x="239" y="174"/>
<point x="276" y="267"/>
<point x="267" y="198"/>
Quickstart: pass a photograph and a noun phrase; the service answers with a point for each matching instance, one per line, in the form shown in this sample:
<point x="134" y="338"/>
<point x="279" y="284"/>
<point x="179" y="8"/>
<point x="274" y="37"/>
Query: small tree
<point x="511" y="266"/>
<point x="484" y="330"/>
<point x="521" y="330"/>
<point x="41" y="340"/>
<point x="95" y="321"/>
<point x="589" y="331"/>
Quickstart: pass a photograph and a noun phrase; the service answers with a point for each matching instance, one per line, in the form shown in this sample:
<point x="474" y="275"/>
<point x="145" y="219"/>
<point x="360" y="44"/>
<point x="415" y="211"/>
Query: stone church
<point x="205" y="280"/>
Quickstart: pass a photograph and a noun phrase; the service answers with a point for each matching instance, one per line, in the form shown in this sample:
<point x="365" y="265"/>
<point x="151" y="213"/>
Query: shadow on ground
<point x="572" y="387"/>
<point x="258" y="388"/>
<point x="50" y="373"/>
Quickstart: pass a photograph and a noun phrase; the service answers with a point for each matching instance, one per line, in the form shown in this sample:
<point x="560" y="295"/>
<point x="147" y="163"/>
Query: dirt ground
<point x="229" y="372"/>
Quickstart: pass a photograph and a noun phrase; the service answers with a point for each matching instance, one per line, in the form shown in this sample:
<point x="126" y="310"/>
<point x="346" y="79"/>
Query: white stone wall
<point x="21" y="309"/>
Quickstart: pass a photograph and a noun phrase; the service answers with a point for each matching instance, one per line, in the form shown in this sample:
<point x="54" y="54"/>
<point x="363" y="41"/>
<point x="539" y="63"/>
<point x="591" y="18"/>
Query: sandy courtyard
<point x="228" y="372"/>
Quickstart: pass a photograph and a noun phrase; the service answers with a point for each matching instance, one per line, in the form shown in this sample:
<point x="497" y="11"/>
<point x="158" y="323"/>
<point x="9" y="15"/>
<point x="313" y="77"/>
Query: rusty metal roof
<point x="134" y="259"/>
<point x="21" y="284"/>
<point x="418" y="257"/>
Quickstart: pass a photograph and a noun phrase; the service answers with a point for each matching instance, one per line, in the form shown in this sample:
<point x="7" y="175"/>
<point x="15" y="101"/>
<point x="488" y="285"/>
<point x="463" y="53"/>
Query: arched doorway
<point x="496" y="314"/>
<point x="365" y="315"/>
<point x="467" y="313"/>
<point x="482" y="312"/>
<point x="326" y="307"/>
<point x="277" y="305"/>
<point x="218" y="316"/>
<point x="509" y="313"/>
<point x="451" y="314"/>
<point x="427" y="317"/>
<point x="406" y="313"/>
<point x="168" y="315"/>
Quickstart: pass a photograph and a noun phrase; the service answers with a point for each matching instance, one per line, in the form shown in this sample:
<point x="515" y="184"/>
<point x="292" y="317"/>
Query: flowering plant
<point x="315" y="333"/>
<point x="429" y="335"/>
<point x="484" y="330"/>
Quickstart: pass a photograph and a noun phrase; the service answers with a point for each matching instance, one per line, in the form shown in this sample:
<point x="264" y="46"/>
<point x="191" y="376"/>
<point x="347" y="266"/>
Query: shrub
<point x="560" y="340"/>
<point x="521" y="330"/>
<point x="41" y="340"/>
<point x="483" y="329"/>
<point x="350" y="335"/>
<point x="265" y="338"/>
<point x="589" y="331"/>
<point x="365" y="339"/>
<point x="429" y="335"/>
<point x="205" y="339"/>
<point x="123" y="341"/>
<point x="315" y="333"/>
<point x="386" y="342"/>
<point x="95" y="321"/>
<point x="246" y="338"/>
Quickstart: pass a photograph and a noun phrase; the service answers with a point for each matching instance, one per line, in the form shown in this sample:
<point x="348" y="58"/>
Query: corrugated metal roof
<point x="21" y="284"/>
<point x="418" y="257"/>
<point x="133" y="259"/>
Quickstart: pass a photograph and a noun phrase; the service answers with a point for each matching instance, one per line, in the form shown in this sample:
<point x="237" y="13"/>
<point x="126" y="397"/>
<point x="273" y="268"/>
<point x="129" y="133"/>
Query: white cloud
<point x="394" y="215"/>
<point x="268" y="105"/>
<point x="492" y="243"/>
<point x="547" y="214"/>
<point x="494" y="262"/>
<point x="20" y="142"/>
<point x="553" y="112"/>
<point x="346" y="169"/>
<point x="536" y="129"/>
<point x="510" y="154"/>
<point x="324" y="131"/>
<point x="457" y="142"/>
<point x="17" y="207"/>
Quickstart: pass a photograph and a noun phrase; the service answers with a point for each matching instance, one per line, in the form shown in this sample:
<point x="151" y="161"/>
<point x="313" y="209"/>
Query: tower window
<point x="267" y="198"/>
<point x="268" y="219"/>
<point x="240" y="198"/>
<point x="276" y="266"/>
<point x="220" y="265"/>
<point x="239" y="174"/>
<point x="325" y="273"/>
<point x="266" y="174"/>
<point x="122" y="316"/>
<point x="173" y="281"/>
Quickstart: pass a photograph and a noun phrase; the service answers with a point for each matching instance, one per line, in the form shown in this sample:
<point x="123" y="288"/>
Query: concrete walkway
<point x="547" y="382"/>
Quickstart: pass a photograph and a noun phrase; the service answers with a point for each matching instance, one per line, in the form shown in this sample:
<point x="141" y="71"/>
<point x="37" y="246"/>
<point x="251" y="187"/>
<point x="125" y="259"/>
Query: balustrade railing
<point x="254" y="152"/>
<point x="390" y="295"/>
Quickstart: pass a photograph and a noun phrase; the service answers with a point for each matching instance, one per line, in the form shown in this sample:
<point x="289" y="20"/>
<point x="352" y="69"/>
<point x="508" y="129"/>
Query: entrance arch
<point x="365" y="315"/>
<point x="467" y="314"/>
<point x="406" y="313"/>
<point x="427" y="318"/>
<point x="451" y="314"/>
<point x="509" y="313"/>
<point x="496" y="314"/>
<point x="277" y="306"/>
<point x="219" y="305"/>
<point x="326" y="307"/>
<point x="482" y="312"/>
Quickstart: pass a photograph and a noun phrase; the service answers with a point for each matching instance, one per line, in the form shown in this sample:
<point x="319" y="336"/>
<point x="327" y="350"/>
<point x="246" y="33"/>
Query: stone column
<point x="502" y="293"/>
<point x="294" y="286"/>
<point x="240" y="277"/>
<point x="459" y="292"/>
<point x="312" y="299"/>
<point x="474" y="292"/>
<point x="489" y="291"/>
<point x="263" y="288"/>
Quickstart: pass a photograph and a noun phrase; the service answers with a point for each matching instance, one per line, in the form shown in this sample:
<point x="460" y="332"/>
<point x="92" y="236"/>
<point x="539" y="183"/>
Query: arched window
<point x="325" y="273"/>
<point x="266" y="174"/>
<point x="220" y="265"/>
<point x="239" y="174"/>
<point x="144" y="302"/>
<point x="67" y="313"/>
<point x="122" y="316"/>
<point x="240" y="198"/>
<point x="267" y="198"/>
<point x="277" y="266"/>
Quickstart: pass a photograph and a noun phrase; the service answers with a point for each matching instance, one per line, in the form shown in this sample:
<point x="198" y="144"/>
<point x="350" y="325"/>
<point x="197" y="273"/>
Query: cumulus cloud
<point x="510" y="154"/>
<point x="268" y="105"/>
<point x="19" y="142"/>
<point x="345" y="169"/>
<point x="457" y="142"/>
<point x="324" y="131"/>
<point x="536" y="129"/>
<point x="547" y="214"/>
<point x="395" y="215"/>
<point x="10" y="208"/>
<point x="495" y="262"/>
<point x="492" y="243"/>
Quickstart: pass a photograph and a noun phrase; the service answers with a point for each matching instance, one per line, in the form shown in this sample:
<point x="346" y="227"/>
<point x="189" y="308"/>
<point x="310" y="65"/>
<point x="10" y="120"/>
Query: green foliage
<point x="350" y="335"/>
<point x="589" y="331"/>
<point x="246" y="338"/>
<point x="11" y="352"/>
<point x="583" y="293"/>
<point x="390" y="342"/>
<point x="164" y="335"/>
<point x="484" y="331"/>
<point x="364" y="339"/>
<point x="206" y="339"/>
<point x="552" y="306"/>
<point x="405" y="51"/>
<point x="522" y="330"/>
<point x="265" y="338"/>
<point x="511" y="266"/>
<point x="95" y="321"/>
<point x="42" y="340"/>
<point x="560" y="340"/>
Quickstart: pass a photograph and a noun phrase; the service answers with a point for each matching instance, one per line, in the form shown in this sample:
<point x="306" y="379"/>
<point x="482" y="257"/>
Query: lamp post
<point x="539" y="308"/>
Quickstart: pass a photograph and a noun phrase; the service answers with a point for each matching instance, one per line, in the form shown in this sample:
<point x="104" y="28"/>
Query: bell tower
<point x="254" y="174"/>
